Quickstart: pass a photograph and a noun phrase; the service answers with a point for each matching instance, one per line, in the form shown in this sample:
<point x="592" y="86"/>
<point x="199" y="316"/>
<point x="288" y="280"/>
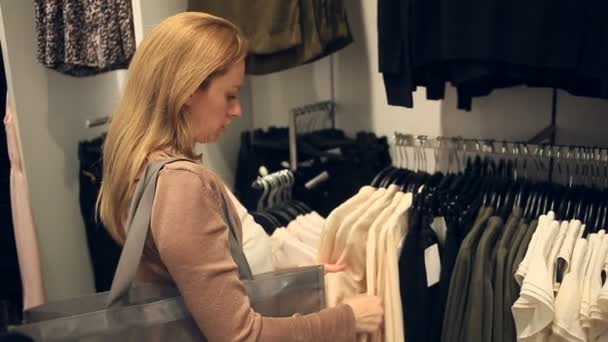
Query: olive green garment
<point x="325" y="30"/>
<point x="270" y="26"/>
<point x="282" y="34"/>
<point x="511" y="288"/>
<point x="457" y="295"/>
<point x="504" y="245"/>
<point x="478" y="309"/>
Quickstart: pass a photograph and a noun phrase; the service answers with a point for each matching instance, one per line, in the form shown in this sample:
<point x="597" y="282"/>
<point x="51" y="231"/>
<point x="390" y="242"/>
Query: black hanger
<point x="380" y="176"/>
<point x="604" y="219"/>
<point x="402" y="178"/>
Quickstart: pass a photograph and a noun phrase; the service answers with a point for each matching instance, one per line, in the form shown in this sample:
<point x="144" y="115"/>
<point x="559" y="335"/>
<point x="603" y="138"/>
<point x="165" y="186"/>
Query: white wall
<point x="51" y="110"/>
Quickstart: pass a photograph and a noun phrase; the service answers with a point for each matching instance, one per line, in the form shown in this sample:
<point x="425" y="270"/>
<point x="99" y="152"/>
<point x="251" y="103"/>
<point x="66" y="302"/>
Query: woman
<point x="183" y="89"/>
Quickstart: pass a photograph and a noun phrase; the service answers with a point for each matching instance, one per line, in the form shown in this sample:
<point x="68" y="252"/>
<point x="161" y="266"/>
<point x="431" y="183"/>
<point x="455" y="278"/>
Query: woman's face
<point x="213" y="107"/>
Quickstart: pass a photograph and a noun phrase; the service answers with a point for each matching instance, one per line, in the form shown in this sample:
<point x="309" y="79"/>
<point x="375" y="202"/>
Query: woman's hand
<point x="369" y="312"/>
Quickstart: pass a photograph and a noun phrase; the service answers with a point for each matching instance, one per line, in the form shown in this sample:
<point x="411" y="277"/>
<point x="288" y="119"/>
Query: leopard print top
<point x="84" y="37"/>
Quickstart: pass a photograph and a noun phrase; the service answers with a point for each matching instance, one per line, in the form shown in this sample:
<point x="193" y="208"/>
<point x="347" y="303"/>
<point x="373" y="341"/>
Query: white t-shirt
<point x="556" y="248"/>
<point x="308" y="236"/>
<point x="346" y="225"/>
<point x="353" y="282"/>
<point x="595" y="241"/>
<point x="567" y="324"/>
<point x="565" y="252"/>
<point x="598" y="326"/>
<point x="256" y="243"/>
<point x="371" y="256"/>
<point x="288" y="251"/>
<point x="393" y="309"/>
<point x="522" y="269"/>
<point x="335" y="218"/>
<point x="533" y="311"/>
<point x="602" y="305"/>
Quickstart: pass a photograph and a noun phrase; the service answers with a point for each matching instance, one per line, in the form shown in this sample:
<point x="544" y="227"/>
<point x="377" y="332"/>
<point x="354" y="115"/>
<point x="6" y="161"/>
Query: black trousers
<point x="103" y="249"/>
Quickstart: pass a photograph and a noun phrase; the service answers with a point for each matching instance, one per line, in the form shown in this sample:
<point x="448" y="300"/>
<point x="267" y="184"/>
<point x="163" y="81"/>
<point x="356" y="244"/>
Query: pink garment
<point x="26" y="238"/>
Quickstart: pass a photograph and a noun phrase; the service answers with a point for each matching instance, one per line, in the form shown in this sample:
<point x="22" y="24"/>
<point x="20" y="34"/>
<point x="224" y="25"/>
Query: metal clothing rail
<point x="589" y="162"/>
<point x="100" y="121"/>
<point x="502" y="147"/>
<point x="277" y="188"/>
<point x="305" y="119"/>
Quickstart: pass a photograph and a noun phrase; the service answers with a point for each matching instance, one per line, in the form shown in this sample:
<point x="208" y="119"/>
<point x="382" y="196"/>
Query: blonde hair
<point x="180" y="55"/>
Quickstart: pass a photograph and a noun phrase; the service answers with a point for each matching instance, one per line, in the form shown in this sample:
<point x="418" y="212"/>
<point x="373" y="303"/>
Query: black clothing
<point x="420" y="302"/>
<point x="479" y="46"/>
<point x="11" y="291"/>
<point x="104" y="251"/>
<point x="328" y="150"/>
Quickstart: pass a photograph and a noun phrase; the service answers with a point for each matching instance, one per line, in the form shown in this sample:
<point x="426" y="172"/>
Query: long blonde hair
<point x="180" y="55"/>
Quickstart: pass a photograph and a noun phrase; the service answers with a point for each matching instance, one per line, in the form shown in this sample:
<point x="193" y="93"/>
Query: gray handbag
<point x="158" y="313"/>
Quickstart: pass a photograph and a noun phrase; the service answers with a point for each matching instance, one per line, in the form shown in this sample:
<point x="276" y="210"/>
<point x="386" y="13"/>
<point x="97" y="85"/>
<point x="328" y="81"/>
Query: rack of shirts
<point x="441" y="239"/>
<point x="294" y="228"/>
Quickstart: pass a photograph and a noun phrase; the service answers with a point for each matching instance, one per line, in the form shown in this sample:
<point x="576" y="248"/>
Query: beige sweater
<point x="189" y="231"/>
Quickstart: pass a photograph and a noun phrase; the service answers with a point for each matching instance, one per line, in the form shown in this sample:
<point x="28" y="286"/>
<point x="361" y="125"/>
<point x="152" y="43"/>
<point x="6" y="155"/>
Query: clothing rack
<point x="312" y="114"/>
<point x="589" y="161"/>
<point x="272" y="179"/>
<point x="502" y="147"/>
<point x="277" y="187"/>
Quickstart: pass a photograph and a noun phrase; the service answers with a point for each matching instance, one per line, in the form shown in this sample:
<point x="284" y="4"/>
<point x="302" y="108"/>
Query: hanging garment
<point x="532" y="250"/>
<point x="11" y="291"/>
<point x="256" y="243"/>
<point x="504" y="244"/>
<point x="270" y="26"/>
<point x="351" y="219"/>
<point x="562" y="263"/>
<point x="284" y="34"/>
<point x="566" y="323"/>
<point x="511" y="286"/>
<point x="599" y="312"/>
<point x="484" y="46"/>
<point x="395" y="231"/>
<point x="84" y="38"/>
<point x="350" y="247"/>
<point x="335" y="219"/>
<point x="595" y="242"/>
<point x="456" y="305"/>
<point x="26" y="236"/>
<point x="534" y="309"/>
<point x="597" y="326"/>
<point x="419" y="282"/>
<point x="386" y="279"/>
<point x="558" y="243"/>
<point x="478" y="325"/>
<point x="103" y="250"/>
<point x="288" y="251"/>
<point x="308" y="236"/>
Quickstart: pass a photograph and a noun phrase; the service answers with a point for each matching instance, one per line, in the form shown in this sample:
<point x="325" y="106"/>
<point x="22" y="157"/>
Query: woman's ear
<point x="189" y="101"/>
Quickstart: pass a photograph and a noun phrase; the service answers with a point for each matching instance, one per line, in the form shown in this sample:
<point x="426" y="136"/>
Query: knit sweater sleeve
<point x="191" y="235"/>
